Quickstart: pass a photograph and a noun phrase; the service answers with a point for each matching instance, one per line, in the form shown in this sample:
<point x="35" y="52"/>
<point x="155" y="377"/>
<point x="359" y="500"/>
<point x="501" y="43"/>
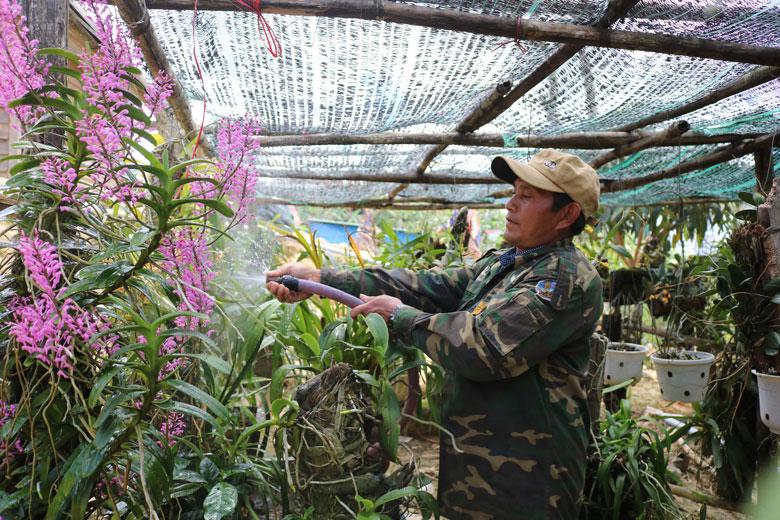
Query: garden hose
<point x="320" y="289"/>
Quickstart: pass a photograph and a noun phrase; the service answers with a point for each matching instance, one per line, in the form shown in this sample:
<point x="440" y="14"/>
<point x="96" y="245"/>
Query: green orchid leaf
<point x="220" y="502"/>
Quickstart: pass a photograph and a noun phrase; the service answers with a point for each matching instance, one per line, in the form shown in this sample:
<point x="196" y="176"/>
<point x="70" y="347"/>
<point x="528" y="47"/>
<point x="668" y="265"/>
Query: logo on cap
<point x="550" y="164"/>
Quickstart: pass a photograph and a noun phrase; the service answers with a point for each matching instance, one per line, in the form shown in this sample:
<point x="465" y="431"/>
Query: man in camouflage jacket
<point x="512" y="332"/>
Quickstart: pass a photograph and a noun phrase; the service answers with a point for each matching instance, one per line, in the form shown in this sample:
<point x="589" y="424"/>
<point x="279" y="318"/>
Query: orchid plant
<point x="109" y="314"/>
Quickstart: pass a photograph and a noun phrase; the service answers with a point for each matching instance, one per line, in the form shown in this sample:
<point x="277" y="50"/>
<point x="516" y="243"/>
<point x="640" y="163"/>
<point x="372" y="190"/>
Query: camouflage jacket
<point x="514" y="344"/>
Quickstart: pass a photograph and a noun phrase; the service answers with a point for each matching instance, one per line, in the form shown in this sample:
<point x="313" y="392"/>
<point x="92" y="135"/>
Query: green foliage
<point x="627" y="470"/>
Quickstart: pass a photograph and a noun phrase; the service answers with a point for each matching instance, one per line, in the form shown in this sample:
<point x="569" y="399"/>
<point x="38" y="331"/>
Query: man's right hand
<point x="300" y="271"/>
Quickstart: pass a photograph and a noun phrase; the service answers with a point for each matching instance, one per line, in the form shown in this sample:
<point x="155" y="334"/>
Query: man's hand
<point x="383" y="305"/>
<point x="300" y="271"/>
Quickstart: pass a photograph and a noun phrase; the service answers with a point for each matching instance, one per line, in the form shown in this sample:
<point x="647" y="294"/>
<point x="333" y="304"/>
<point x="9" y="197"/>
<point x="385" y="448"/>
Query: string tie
<point x="263" y="27"/>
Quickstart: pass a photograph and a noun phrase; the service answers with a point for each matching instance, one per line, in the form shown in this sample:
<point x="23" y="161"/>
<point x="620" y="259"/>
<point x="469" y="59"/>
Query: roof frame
<point x="575" y="37"/>
<point x="501" y="26"/>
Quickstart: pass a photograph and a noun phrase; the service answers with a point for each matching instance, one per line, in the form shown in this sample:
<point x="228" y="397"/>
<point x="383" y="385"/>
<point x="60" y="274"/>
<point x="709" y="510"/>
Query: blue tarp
<point x="336" y="232"/>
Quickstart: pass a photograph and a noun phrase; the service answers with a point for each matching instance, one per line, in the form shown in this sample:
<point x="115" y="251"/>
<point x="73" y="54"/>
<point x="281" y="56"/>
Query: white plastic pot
<point x="769" y="400"/>
<point x="622" y="365"/>
<point x="684" y="379"/>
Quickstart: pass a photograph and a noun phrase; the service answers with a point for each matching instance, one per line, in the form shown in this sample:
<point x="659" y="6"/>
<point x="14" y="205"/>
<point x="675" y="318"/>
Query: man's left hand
<point x="383" y="305"/>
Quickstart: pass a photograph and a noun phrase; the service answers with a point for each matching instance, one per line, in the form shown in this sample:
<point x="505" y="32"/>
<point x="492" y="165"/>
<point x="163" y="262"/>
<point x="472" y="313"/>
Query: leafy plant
<point x="627" y="476"/>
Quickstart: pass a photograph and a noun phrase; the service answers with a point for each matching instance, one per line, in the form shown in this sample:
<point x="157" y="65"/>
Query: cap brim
<point x="508" y="169"/>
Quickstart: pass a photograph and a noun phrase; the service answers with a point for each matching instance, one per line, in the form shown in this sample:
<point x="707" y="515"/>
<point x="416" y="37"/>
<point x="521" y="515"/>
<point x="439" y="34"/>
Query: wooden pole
<point x="407" y="178"/>
<point x="463" y="127"/>
<point x="489" y="109"/>
<point x="741" y="84"/>
<point x="702" y="498"/>
<point x="469" y="123"/>
<point x="501" y="26"/>
<point x="136" y="16"/>
<point x="616" y="10"/>
<point x="47" y="21"/>
<point x="723" y="155"/>
<point x="579" y="140"/>
<point x="411" y="204"/>
<point x="675" y="130"/>
<point x="764" y="160"/>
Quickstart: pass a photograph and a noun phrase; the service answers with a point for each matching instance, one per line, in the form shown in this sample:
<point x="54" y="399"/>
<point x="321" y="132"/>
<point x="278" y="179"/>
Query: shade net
<point x="357" y="77"/>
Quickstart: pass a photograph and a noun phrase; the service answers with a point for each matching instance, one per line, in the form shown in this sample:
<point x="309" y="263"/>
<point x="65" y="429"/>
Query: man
<point x="512" y="332"/>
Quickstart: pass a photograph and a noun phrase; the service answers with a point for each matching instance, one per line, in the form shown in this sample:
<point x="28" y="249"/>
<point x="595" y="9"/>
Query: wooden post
<point x="764" y="167"/>
<point x="48" y="23"/>
<point x="595" y="380"/>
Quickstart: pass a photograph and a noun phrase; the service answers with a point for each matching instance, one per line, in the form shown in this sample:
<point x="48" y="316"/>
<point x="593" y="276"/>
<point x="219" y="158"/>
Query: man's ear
<point x="568" y="215"/>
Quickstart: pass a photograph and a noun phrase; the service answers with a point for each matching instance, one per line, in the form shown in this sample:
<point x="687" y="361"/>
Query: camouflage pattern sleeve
<point x="511" y="334"/>
<point x="434" y="290"/>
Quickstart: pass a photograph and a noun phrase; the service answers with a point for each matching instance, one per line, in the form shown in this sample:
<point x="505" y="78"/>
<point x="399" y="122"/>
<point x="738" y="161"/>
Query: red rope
<point x="200" y="76"/>
<point x="518" y="36"/>
<point x="263" y="27"/>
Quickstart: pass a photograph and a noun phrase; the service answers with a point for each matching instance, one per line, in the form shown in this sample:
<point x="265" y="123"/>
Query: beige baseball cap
<point x="552" y="170"/>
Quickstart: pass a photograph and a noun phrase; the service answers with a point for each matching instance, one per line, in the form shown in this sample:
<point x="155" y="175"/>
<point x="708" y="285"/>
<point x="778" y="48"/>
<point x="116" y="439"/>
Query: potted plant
<point x="682" y="374"/>
<point x="769" y="399"/>
<point x="624" y="361"/>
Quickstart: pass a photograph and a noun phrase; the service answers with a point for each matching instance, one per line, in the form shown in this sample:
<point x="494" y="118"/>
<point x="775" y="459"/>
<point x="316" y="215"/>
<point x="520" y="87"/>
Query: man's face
<point x="530" y="219"/>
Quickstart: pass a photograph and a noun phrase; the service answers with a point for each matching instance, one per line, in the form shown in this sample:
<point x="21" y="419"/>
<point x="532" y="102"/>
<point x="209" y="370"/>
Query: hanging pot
<point x="769" y="400"/>
<point x="684" y="379"/>
<point x="628" y="286"/>
<point x="624" y="362"/>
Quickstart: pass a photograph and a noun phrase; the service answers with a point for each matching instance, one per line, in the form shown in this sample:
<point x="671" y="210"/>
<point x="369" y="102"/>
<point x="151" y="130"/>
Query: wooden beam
<point x="578" y="141"/>
<point x="675" y="130"/>
<point x="407" y="178"/>
<point x="764" y="160"/>
<point x="720" y="156"/>
<point x="469" y="123"/>
<point x="488" y="110"/>
<point x="615" y="10"/>
<point x="501" y="26"/>
<point x="464" y="126"/>
<point x="741" y="84"/>
<point x="411" y="204"/>
<point x="136" y="16"/>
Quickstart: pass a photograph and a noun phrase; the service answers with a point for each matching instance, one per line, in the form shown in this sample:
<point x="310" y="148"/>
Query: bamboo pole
<point x="741" y="84"/>
<point x="675" y="130"/>
<point x="501" y="26"/>
<point x="136" y="16"/>
<point x="720" y="156"/>
<point x="578" y="140"/>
